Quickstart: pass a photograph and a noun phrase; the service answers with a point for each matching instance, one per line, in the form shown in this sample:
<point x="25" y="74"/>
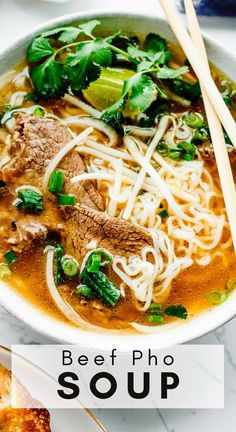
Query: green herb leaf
<point x="89" y="26"/>
<point x="10" y="257"/>
<point x="32" y="201"/>
<point x="168" y="73"/>
<point x="39" y="49"/>
<point x="178" y="311"/>
<point x="115" y="119"/>
<point x="85" y="64"/>
<point x="141" y="91"/>
<point x="65" y="34"/>
<point x="49" y="79"/>
<point x="59" y="271"/>
<point x="155" y="43"/>
<point x="186" y="89"/>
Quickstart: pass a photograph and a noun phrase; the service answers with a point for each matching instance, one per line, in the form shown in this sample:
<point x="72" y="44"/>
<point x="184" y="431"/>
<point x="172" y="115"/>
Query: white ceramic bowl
<point x="50" y="327"/>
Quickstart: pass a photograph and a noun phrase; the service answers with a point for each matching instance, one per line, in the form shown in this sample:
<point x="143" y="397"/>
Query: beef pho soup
<point x="112" y="215"/>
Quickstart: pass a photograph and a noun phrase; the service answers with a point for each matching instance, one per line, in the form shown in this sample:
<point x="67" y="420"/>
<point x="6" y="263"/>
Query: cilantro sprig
<point x="70" y="58"/>
<point x="157" y="314"/>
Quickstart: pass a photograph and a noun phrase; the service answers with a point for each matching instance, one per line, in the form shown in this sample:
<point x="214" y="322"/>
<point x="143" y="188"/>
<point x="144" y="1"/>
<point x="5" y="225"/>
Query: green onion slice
<point x="157" y="319"/>
<point x="194" y="120"/>
<point x="187" y="147"/>
<point x="56" y="182"/>
<point x="59" y="253"/>
<point x="66" y="200"/>
<point x="5" y="271"/>
<point x="70" y="266"/>
<point x="216" y="297"/>
<point x="39" y="112"/>
<point x="10" y="257"/>
<point x="83" y="291"/>
<point x="31" y="200"/>
<point x="98" y="258"/>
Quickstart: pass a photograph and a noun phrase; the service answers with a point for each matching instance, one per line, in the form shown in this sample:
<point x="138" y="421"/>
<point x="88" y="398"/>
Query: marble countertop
<point x="17" y="16"/>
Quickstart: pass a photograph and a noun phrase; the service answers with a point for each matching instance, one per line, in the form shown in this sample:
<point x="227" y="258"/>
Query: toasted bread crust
<point x="20" y="420"/>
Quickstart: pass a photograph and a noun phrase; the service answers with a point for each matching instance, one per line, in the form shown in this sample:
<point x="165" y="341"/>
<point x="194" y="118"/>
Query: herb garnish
<point x="60" y="62"/>
<point x="156" y="313"/>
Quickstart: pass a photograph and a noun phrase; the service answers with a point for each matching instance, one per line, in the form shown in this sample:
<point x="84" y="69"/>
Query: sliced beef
<point x="26" y="234"/>
<point x="36" y="141"/>
<point x="116" y="235"/>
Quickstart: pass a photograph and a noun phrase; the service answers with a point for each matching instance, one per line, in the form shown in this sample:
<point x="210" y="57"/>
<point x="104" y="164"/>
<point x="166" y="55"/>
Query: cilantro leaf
<point x="168" y="73"/>
<point x="141" y="91"/>
<point x="186" y="89"/>
<point x="39" y="49"/>
<point x="138" y="54"/>
<point x="49" y="79"/>
<point x="155" y="43"/>
<point x="177" y="311"/>
<point x="89" y="26"/>
<point x="64" y="34"/>
<point x="85" y="64"/>
<point x="69" y="34"/>
<point x="115" y="119"/>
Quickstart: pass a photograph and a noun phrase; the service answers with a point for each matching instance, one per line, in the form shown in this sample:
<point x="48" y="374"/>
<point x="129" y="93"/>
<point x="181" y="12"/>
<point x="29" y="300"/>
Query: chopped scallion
<point x="66" y="200"/>
<point x="194" y="120"/>
<point x="59" y="253"/>
<point x="83" y="291"/>
<point x="10" y="257"/>
<point x="5" y="271"/>
<point x="157" y="319"/>
<point x="31" y="200"/>
<point x="39" y="112"/>
<point x="70" y="266"/>
<point x="56" y="182"/>
<point x="187" y="147"/>
<point x="93" y="263"/>
<point x="102" y="287"/>
<point x="216" y="297"/>
<point x="188" y="157"/>
<point x="98" y="258"/>
<point x="174" y="154"/>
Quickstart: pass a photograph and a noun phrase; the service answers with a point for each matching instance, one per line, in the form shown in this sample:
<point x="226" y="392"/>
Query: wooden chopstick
<point x="217" y="135"/>
<point x="218" y="141"/>
<point x="200" y="69"/>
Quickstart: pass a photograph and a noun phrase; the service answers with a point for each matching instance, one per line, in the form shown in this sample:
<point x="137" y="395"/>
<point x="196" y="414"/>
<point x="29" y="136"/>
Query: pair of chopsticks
<point x="216" y="110"/>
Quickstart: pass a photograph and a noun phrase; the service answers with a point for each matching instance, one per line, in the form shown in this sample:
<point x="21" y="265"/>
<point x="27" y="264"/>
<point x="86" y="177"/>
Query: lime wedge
<point x="104" y="92"/>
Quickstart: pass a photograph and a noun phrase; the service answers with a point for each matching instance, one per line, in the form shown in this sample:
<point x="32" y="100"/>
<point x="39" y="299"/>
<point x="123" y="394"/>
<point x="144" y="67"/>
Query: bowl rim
<point x="182" y="333"/>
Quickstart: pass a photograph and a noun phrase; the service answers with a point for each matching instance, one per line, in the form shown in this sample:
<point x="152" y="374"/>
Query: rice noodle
<point x="85" y="121"/>
<point x="23" y="187"/>
<point x="61" y="154"/>
<point x="82" y="105"/>
<point x="155" y="176"/>
<point x="142" y="174"/>
<point x="115" y="191"/>
<point x="139" y="131"/>
<point x="17" y="98"/>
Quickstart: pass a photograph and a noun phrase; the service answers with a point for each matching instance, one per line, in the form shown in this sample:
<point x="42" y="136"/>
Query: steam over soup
<point x="112" y="214"/>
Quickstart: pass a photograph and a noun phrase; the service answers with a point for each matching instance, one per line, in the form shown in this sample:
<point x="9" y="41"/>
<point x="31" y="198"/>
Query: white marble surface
<point x="17" y="16"/>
